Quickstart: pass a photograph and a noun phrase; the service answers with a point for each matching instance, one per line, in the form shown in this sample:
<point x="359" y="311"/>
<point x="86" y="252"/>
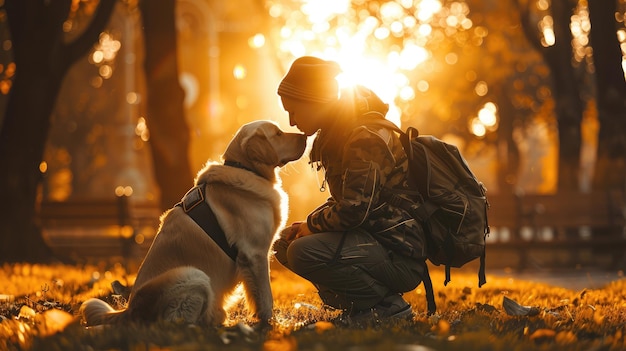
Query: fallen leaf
<point x="565" y="337"/>
<point x="412" y="348"/>
<point x="513" y="308"/>
<point x="443" y="327"/>
<point x="598" y="318"/>
<point x="239" y="331"/>
<point x="226" y="336"/>
<point x="6" y="298"/>
<point x="433" y="319"/>
<point x="323" y="326"/>
<point x="542" y="334"/>
<point x="485" y="307"/>
<point x="26" y="312"/>
<point x="245" y="329"/>
<point x="55" y="320"/>
<point x="283" y="344"/>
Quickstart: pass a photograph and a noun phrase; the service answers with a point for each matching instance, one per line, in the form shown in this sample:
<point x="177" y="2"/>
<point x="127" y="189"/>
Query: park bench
<point x="99" y="228"/>
<point x="566" y="228"/>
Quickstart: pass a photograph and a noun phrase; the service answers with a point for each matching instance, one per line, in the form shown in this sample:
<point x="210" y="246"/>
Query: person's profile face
<point x="305" y="115"/>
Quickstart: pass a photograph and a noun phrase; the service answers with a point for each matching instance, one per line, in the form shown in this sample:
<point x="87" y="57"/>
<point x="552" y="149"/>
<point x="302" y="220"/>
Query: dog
<point x="186" y="274"/>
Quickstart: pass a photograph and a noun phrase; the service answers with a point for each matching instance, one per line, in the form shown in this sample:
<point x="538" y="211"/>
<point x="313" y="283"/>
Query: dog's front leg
<point x="254" y="271"/>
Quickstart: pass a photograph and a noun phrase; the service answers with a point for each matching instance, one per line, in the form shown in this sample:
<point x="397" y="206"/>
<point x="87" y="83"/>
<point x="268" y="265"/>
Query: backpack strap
<point x="421" y="210"/>
<point x="428" y="287"/>
<point x="482" y="279"/>
<point x="384" y="123"/>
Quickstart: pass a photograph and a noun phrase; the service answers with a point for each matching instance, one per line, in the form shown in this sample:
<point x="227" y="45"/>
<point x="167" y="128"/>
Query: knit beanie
<point x="311" y="79"/>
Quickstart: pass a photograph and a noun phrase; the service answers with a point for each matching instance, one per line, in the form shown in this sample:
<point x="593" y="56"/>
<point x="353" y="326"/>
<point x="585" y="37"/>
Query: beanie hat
<point x="311" y="79"/>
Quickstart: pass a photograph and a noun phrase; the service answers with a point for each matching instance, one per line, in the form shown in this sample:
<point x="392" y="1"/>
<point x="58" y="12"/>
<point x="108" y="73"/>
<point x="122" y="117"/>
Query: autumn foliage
<point x="38" y="306"/>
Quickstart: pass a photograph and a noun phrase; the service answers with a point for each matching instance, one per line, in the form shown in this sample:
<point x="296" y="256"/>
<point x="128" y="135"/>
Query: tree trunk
<point x="42" y="59"/>
<point x="565" y="88"/>
<point x="169" y="133"/>
<point x="22" y="142"/>
<point x="569" y="104"/>
<point x="508" y="153"/>
<point x="610" y="168"/>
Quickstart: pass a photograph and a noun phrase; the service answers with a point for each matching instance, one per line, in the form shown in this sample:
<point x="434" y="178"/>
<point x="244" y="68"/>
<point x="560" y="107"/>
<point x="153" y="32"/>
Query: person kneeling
<point x="360" y="252"/>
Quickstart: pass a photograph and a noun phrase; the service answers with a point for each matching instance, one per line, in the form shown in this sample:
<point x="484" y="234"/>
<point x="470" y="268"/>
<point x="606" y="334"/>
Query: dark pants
<point x="355" y="277"/>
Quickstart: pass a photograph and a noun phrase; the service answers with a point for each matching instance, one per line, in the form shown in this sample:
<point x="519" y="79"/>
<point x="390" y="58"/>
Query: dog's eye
<point x="279" y="133"/>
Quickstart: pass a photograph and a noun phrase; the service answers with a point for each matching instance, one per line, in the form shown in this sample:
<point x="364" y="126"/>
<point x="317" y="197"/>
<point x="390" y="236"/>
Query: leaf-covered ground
<point x="38" y="306"/>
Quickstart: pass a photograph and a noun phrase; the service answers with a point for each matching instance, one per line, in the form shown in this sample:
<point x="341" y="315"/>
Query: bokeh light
<point x="104" y="54"/>
<point x="379" y="45"/>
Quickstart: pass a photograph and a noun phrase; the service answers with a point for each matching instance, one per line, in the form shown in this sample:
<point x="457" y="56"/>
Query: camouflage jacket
<point x="370" y="162"/>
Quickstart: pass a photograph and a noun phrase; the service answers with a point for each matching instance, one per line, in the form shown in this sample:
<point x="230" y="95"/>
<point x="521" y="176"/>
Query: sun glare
<point x="322" y="10"/>
<point x="426" y="9"/>
<point x="361" y="40"/>
<point x="372" y="73"/>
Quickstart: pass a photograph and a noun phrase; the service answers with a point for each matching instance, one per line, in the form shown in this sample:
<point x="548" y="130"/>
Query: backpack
<point x="448" y="200"/>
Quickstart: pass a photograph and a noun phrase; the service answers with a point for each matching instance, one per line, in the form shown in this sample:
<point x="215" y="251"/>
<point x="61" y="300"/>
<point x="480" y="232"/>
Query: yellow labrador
<point x="186" y="274"/>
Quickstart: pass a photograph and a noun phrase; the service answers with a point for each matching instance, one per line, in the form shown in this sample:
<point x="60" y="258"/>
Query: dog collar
<point x="240" y="166"/>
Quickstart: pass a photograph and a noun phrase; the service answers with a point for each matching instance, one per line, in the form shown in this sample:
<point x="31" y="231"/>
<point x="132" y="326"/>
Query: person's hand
<point x="289" y="233"/>
<point x="303" y="230"/>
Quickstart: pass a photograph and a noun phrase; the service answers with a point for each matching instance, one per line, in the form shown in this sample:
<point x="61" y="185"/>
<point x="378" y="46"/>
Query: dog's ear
<point x="258" y="149"/>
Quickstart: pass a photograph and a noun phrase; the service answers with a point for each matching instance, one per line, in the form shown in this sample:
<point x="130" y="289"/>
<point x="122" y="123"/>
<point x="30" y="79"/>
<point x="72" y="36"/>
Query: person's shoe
<point x="392" y="307"/>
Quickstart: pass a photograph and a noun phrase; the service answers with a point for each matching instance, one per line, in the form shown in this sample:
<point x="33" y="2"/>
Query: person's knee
<point x="298" y="257"/>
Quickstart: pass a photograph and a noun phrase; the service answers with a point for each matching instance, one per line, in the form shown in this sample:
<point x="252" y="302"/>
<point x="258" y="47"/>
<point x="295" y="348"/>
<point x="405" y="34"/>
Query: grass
<point x="38" y="306"/>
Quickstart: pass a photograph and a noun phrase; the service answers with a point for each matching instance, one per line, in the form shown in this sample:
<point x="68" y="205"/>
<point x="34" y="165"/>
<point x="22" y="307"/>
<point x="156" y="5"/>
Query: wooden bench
<point x="97" y="228"/>
<point x="591" y="224"/>
<point x="503" y="217"/>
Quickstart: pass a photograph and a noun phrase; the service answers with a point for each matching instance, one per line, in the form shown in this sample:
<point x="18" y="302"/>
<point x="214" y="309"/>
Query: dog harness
<point x="195" y="206"/>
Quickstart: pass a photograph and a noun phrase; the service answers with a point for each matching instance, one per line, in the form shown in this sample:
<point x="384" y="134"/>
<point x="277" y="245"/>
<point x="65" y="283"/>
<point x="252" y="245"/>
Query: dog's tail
<point x="97" y="312"/>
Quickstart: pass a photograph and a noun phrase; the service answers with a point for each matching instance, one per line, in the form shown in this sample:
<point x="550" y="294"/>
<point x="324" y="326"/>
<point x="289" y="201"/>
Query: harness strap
<point x="195" y="206"/>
